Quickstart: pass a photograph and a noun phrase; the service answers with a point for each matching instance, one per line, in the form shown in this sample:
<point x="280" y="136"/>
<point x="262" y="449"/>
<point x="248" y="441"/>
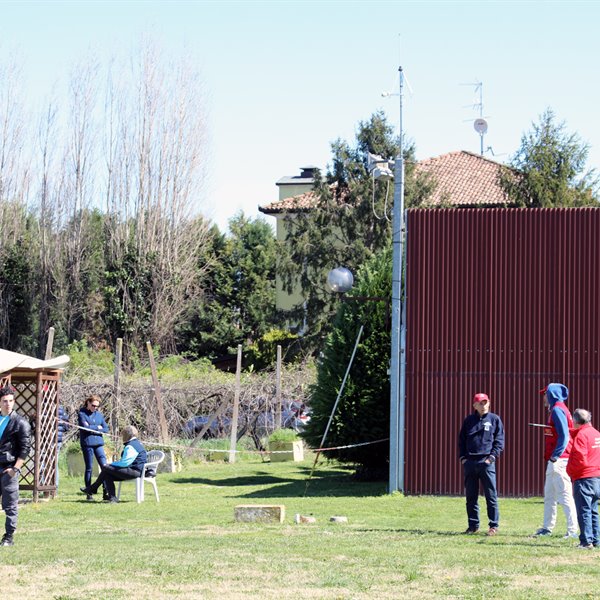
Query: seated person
<point x="129" y="466"/>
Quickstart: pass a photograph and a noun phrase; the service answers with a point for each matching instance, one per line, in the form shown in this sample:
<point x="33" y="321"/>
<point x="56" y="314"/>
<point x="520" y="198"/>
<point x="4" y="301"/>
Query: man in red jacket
<point x="584" y="470"/>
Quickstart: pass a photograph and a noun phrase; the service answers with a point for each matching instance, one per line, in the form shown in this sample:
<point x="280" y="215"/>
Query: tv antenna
<point x="480" y="124"/>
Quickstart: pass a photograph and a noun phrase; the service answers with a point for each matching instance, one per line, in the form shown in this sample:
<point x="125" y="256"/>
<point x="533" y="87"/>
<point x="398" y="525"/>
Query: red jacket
<point x="551" y="434"/>
<point x="584" y="460"/>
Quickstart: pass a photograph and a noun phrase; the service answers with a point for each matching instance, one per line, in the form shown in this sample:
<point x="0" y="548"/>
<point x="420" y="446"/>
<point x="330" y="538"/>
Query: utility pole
<point x="398" y="349"/>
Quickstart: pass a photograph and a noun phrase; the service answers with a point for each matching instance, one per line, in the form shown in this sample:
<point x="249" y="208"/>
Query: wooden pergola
<point x="37" y="385"/>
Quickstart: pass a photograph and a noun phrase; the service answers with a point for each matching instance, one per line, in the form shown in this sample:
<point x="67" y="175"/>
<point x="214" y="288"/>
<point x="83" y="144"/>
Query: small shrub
<point x="263" y="353"/>
<point x="88" y="364"/>
<point x="72" y="447"/>
<point x="283" y="435"/>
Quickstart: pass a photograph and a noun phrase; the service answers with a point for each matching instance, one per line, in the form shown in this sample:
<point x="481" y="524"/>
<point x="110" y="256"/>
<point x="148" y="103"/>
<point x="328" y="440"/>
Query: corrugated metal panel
<point x="501" y="301"/>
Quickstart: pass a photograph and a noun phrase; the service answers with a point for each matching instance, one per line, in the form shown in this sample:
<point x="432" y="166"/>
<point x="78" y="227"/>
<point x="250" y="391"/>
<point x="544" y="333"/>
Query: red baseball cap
<point x="481" y="398"/>
<point x="543" y="390"/>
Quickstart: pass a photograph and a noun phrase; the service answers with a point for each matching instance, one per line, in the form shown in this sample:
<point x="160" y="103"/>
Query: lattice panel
<point x="36" y="399"/>
<point x="47" y="435"/>
<point x="25" y="405"/>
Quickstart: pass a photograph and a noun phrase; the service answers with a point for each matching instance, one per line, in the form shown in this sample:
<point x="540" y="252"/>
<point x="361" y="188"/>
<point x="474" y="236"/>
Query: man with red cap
<point x="480" y="443"/>
<point x="557" y="446"/>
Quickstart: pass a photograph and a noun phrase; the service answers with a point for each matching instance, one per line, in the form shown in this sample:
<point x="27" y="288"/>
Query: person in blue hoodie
<point x="92" y="426"/>
<point x="480" y="443"/>
<point x="129" y="466"/>
<point x="558" y="488"/>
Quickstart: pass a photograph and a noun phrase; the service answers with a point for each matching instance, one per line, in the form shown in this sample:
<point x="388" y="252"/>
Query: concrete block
<point x="259" y="513"/>
<point x="284" y="451"/>
<point x="171" y="464"/>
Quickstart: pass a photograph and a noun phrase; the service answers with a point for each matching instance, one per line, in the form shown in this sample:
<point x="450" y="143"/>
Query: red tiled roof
<point x="300" y="203"/>
<point x="462" y="179"/>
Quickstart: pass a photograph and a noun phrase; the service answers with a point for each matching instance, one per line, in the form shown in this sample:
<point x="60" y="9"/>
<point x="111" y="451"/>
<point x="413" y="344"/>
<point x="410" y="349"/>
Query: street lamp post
<point x="398" y="334"/>
<point x="341" y="280"/>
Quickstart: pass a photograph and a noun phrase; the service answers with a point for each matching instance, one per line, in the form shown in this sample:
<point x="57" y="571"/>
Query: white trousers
<point x="559" y="490"/>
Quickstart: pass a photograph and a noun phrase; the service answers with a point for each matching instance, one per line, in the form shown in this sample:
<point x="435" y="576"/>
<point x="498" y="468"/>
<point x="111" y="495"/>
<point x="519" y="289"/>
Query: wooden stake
<point x="117" y="389"/>
<point x="164" y="432"/>
<point x="278" y="388"/>
<point x="49" y="344"/>
<point x="236" y="405"/>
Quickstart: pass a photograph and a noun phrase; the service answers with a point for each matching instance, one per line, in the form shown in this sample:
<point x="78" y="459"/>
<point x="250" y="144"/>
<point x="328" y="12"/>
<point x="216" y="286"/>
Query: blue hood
<point x="556" y="392"/>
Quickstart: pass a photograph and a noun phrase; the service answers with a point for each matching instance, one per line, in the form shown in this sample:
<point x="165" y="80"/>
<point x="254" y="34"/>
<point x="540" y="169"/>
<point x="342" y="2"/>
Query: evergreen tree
<point x="16" y="287"/>
<point x="238" y="304"/>
<point x="549" y="169"/>
<point x="252" y="262"/>
<point x="350" y="222"/>
<point x="363" y="413"/>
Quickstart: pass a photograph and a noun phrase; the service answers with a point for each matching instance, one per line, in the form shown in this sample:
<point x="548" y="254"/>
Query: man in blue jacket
<point x="558" y="488"/>
<point x="480" y="443"/>
<point x="129" y="466"/>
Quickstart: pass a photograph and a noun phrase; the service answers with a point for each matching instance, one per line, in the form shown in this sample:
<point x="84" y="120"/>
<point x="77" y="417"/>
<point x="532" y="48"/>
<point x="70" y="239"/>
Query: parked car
<point x="218" y="428"/>
<point x="294" y="415"/>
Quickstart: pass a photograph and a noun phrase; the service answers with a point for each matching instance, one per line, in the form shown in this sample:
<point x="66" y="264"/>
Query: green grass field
<point x="188" y="545"/>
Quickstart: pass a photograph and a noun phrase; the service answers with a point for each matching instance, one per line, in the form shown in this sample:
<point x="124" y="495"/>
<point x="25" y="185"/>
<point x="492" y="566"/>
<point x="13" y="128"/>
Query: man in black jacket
<point x="480" y="442"/>
<point x="15" y="444"/>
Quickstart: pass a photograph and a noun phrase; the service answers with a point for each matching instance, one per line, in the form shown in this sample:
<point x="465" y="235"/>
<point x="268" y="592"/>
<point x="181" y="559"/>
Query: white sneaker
<point x="570" y="535"/>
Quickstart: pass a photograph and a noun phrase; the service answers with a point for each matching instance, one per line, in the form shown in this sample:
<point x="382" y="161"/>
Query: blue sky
<point x="284" y="79"/>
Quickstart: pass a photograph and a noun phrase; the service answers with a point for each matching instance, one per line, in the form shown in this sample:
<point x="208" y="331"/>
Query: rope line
<point x="183" y="447"/>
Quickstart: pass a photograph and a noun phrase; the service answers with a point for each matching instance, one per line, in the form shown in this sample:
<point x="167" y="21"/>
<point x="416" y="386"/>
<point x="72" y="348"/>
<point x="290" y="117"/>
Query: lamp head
<point x="340" y="280"/>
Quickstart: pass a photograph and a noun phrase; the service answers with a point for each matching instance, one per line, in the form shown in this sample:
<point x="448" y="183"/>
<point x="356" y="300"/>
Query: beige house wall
<point x="291" y="190"/>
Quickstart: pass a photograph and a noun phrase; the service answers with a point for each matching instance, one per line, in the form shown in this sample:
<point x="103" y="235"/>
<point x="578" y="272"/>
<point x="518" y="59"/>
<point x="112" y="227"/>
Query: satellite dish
<point x="480" y="126"/>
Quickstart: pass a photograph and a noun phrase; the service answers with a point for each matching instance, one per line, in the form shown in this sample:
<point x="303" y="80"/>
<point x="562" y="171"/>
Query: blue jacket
<point x="133" y="456"/>
<point x="481" y="437"/>
<point x="91" y="420"/>
<point x="557" y="394"/>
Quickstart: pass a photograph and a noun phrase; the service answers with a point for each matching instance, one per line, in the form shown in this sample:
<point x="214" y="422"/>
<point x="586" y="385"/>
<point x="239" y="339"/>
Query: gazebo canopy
<point x="13" y="360"/>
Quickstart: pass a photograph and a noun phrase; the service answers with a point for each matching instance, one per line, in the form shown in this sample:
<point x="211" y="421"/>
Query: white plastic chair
<point x="154" y="458"/>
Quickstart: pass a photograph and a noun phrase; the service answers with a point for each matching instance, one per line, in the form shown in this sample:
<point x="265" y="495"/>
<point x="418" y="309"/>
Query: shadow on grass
<point x="337" y="483"/>
<point x="481" y="538"/>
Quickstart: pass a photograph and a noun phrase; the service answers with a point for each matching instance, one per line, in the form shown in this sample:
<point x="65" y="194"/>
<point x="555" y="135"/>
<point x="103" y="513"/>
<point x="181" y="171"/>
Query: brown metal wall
<point x="501" y="301"/>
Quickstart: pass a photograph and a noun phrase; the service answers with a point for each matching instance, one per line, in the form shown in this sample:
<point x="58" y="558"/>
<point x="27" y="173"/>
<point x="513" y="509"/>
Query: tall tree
<point x="238" y="304"/>
<point x="351" y="220"/>
<point x="549" y="169"/>
<point x="252" y="262"/>
<point x="155" y="146"/>
<point x="16" y="277"/>
<point x="363" y="411"/>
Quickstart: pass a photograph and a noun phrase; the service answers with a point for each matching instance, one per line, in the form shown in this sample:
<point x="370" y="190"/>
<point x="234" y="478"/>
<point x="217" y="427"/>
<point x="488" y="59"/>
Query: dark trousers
<point x="88" y="459"/>
<point x="476" y="472"/>
<point x="110" y="474"/>
<point x="586" y="493"/>
<point x="9" y="488"/>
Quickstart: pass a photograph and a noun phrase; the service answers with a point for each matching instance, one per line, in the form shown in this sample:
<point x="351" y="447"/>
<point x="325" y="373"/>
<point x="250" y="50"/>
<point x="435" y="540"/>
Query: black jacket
<point x="481" y="437"/>
<point x="15" y="441"/>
